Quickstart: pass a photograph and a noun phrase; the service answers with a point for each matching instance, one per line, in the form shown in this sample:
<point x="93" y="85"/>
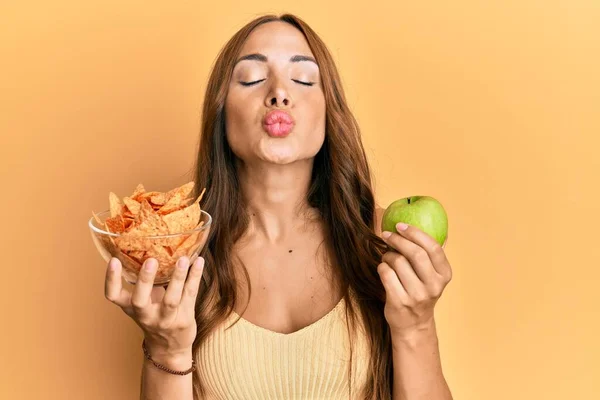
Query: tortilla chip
<point x="116" y="207"/>
<point x="148" y="222"/>
<point x="116" y="224"/>
<point x="201" y="195"/>
<point x="187" y="202"/>
<point x="173" y="204"/>
<point x="190" y="241"/>
<point x="108" y="244"/>
<point x="147" y="196"/>
<point x="127" y="241"/>
<point x="190" y="245"/>
<point x="104" y="245"/>
<point x="183" y="191"/>
<point x="137" y="255"/>
<point x="132" y="205"/>
<point x="161" y="254"/>
<point x="99" y="223"/>
<point x="129" y="263"/>
<point x="182" y="220"/>
<point x="128" y="222"/>
<point x="145" y="214"/>
<point x="158" y="199"/>
<point x="139" y="190"/>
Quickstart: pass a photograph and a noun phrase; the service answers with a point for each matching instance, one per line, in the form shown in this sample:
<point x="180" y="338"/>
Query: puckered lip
<point x="278" y="116"/>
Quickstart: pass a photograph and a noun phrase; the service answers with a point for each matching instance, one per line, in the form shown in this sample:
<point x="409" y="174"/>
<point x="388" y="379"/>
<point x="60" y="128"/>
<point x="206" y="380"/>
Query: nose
<point x="278" y="96"/>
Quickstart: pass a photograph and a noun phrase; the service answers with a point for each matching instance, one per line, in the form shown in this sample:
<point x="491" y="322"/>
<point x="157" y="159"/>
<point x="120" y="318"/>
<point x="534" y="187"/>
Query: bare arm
<point x="160" y="385"/>
<point x="168" y="321"/>
<point x="415" y="352"/>
<point x="417" y="367"/>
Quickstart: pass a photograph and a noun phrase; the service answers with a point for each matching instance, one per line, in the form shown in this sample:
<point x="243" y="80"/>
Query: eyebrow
<point x="263" y="58"/>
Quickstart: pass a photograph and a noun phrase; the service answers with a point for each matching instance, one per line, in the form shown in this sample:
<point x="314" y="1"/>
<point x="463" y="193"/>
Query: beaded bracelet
<point x="162" y="367"/>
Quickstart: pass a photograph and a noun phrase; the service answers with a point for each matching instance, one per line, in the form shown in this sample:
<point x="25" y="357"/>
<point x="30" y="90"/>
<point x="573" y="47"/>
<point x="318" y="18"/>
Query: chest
<point x="292" y="284"/>
<point x="244" y="361"/>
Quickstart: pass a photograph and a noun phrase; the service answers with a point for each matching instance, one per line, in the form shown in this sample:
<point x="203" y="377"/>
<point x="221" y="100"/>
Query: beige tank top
<point x="247" y="362"/>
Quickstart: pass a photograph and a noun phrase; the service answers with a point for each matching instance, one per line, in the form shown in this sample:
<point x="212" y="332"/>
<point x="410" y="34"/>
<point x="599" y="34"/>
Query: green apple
<point x="423" y="212"/>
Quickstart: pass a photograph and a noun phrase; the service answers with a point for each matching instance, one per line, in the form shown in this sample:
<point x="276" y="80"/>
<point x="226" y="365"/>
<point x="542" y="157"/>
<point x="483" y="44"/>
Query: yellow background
<point x="491" y="107"/>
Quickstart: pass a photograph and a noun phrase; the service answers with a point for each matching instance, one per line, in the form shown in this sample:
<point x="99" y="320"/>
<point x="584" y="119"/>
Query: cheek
<point x="234" y="127"/>
<point x="234" y="114"/>
<point x="318" y="113"/>
<point x="238" y="120"/>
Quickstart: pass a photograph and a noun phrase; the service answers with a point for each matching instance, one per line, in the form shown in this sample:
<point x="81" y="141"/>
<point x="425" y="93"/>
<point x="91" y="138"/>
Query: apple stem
<point x="409" y="200"/>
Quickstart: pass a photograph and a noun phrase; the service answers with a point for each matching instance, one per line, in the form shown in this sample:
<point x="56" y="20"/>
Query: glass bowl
<point x="166" y="249"/>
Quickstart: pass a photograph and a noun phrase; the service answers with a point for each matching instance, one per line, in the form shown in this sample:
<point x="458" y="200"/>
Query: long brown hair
<point x="340" y="189"/>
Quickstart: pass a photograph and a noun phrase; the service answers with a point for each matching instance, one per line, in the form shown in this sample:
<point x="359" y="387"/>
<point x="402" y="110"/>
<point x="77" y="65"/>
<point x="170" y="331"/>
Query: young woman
<point x="297" y="295"/>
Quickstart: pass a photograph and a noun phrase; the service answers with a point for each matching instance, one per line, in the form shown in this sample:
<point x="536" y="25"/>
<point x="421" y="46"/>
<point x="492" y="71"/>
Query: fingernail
<point x="182" y="262"/>
<point x="386" y="234"/>
<point x="400" y="226"/>
<point x="150" y="265"/>
<point x="198" y="263"/>
<point x="113" y="264"/>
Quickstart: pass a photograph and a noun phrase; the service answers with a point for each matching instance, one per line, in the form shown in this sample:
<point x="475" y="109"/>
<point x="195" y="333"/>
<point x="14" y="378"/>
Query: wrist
<point x="424" y="333"/>
<point x="179" y="360"/>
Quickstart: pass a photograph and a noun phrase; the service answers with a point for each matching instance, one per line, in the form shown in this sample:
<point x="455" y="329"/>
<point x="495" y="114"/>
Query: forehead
<point x="276" y="39"/>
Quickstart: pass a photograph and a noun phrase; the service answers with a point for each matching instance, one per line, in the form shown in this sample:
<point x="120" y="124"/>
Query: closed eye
<point x="260" y="80"/>
<point x="304" y="83"/>
<point x="251" y="83"/>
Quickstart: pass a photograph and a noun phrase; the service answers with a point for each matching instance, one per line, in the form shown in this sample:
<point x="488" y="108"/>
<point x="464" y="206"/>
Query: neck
<point x="276" y="198"/>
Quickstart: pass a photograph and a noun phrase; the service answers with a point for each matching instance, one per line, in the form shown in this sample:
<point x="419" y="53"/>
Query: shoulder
<point x="378" y="216"/>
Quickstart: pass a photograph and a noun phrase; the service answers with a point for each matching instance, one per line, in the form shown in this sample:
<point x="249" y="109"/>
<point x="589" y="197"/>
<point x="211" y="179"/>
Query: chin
<point x="283" y="152"/>
<point x="280" y="159"/>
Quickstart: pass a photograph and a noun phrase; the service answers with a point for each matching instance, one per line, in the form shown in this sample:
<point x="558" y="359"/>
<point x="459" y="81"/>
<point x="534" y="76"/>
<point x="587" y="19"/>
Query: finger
<point x="174" y="290"/>
<point x="394" y="290"/>
<point x="113" y="286"/>
<point x="418" y="257"/>
<point x="190" y="289"/>
<point x="430" y="245"/>
<point x="144" y="284"/>
<point x="406" y="274"/>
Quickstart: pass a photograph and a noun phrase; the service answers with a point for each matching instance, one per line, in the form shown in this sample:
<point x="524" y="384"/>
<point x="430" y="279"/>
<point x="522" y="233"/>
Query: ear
<point x="378" y="216"/>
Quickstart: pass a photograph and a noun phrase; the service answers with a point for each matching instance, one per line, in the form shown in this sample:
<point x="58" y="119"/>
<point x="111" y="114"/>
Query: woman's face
<point x="281" y="79"/>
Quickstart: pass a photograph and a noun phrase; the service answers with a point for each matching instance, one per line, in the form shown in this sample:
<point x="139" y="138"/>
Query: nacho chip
<point x="109" y="243"/>
<point x="182" y="220"/>
<point x="138" y="255"/>
<point x="139" y="190"/>
<point x="116" y="207"/>
<point x="147" y="196"/>
<point x="98" y="220"/>
<point x="158" y="199"/>
<point x="183" y="191"/>
<point x="191" y="243"/>
<point x="144" y="214"/>
<point x="116" y="224"/>
<point x="200" y="196"/>
<point x="173" y="204"/>
<point x="105" y="245"/>
<point x="148" y="222"/>
<point x="127" y="241"/>
<point x="185" y="240"/>
<point x="160" y="254"/>
<point x="129" y="263"/>
<point x="128" y="222"/>
<point x="133" y="206"/>
<point x="163" y="275"/>
<point x="187" y="202"/>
